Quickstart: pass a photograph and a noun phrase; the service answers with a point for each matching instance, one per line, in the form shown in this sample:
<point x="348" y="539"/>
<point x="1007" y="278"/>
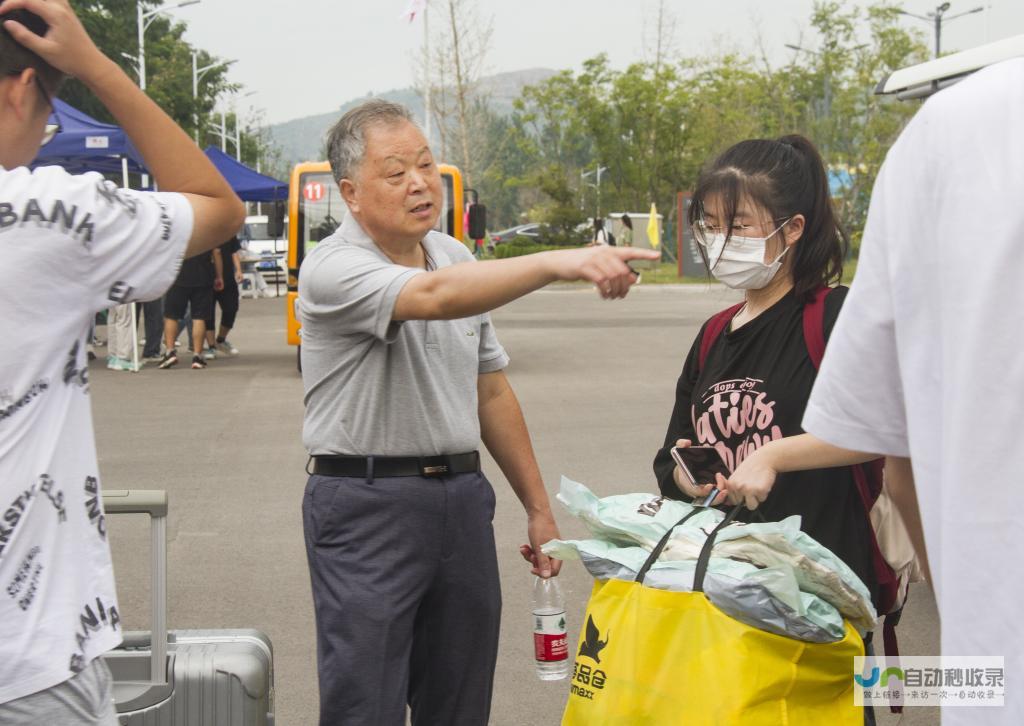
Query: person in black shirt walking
<point x="194" y="287"/>
<point x="227" y="298"/>
<point x="764" y="219"/>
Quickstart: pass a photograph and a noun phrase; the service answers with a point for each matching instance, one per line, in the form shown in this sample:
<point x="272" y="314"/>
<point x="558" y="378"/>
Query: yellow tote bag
<point x="656" y="658"/>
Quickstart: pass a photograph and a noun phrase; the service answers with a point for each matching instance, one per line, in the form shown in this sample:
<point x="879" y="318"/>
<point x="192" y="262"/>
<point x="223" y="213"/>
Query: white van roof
<point x="925" y="79"/>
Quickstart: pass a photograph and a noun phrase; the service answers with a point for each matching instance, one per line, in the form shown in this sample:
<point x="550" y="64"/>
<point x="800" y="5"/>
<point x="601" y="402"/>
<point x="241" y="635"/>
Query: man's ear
<point x="348" y="193"/>
<point x="794" y="229"/>
<point x="17" y="92"/>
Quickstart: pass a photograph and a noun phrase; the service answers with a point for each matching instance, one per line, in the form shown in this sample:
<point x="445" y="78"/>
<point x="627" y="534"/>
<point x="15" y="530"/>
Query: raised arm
<point x="473" y="288"/>
<point x="173" y="159"/>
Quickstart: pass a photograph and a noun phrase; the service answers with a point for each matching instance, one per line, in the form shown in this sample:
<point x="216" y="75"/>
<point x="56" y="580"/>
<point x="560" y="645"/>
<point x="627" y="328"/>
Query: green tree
<point x="862" y="126"/>
<point x="655" y="124"/>
<point x="558" y="209"/>
<point x="113" y="25"/>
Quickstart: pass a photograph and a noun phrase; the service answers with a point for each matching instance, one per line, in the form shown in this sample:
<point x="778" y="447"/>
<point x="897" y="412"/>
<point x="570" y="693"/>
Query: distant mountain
<point x="302" y="139"/>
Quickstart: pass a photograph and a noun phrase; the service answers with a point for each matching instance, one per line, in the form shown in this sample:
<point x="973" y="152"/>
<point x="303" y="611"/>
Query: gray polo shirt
<point x="376" y="387"/>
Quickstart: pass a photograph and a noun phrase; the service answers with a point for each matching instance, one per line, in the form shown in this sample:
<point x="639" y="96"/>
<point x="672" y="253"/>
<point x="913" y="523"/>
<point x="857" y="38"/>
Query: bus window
<point x="319" y="217"/>
<point x="446" y="219"/>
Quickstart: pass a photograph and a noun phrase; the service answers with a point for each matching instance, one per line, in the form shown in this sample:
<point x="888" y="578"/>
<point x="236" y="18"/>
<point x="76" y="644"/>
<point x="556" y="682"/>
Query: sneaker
<point x="225" y="346"/>
<point x="170" y="359"/>
<point x="156" y="357"/>
<point x="209" y="354"/>
<point x="198" y="362"/>
<point x="119" y="364"/>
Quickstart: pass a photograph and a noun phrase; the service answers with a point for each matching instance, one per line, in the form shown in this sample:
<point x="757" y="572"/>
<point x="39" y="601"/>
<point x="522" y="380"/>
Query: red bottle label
<point x="550" y="643"/>
<point x="550" y="648"/>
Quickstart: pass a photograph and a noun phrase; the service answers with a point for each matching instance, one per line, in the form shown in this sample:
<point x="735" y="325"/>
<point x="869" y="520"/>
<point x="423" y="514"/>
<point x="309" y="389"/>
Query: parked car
<point x="540" y="233"/>
<point x="532" y="230"/>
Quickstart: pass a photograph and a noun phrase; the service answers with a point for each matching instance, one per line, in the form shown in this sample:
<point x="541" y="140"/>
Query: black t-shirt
<point x="196" y="271"/>
<point x="753" y="389"/>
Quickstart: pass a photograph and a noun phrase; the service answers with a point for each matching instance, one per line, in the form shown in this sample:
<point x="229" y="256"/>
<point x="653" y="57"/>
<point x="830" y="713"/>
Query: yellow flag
<point x="653" y="231"/>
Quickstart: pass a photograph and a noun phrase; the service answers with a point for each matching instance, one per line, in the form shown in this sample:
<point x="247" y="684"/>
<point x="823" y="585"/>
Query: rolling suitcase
<point x="185" y="677"/>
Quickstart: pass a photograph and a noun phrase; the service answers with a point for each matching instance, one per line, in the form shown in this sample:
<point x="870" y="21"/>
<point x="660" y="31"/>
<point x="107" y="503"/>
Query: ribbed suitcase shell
<point x="217" y="678"/>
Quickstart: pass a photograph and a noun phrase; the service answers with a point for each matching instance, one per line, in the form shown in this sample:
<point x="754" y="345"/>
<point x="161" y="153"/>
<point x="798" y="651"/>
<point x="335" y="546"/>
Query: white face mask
<point x="740" y="264"/>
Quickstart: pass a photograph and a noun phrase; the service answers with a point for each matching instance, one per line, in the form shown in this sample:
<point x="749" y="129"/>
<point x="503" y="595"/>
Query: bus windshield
<point x="321" y="209"/>
<point x="446" y="220"/>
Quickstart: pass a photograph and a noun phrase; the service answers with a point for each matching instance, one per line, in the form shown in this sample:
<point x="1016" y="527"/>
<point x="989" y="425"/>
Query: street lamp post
<point x="583" y="185"/>
<point x="583" y="178"/>
<point x="937" y="17"/>
<point x="238" y="133"/>
<point x="145" y="20"/>
<point x="197" y="74"/>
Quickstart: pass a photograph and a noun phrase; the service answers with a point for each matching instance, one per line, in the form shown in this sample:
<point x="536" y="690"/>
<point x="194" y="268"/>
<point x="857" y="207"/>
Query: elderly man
<point x="403" y="376"/>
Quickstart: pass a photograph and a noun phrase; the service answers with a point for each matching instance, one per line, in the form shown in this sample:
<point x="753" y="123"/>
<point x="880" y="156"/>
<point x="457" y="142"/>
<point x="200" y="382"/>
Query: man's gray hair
<point x="346" y="141"/>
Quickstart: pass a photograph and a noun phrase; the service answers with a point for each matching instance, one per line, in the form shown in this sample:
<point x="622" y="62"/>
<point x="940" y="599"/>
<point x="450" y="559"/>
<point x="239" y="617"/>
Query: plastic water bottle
<point x="550" y="644"/>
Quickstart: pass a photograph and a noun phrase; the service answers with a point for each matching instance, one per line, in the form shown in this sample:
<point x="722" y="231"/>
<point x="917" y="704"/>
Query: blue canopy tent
<point x="248" y="184"/>
<point x="85" y="144"/>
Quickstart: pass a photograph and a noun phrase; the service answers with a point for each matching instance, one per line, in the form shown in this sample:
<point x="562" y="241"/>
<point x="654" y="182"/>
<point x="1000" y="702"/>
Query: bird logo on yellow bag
<point x="593" y="645"/>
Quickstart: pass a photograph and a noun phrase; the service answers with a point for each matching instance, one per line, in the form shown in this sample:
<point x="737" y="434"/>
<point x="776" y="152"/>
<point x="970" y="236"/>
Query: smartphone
<point x="699" y="465"/>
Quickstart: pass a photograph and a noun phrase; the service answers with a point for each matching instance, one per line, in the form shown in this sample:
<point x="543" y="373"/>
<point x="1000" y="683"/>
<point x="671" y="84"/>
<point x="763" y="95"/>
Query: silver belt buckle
<point x="434" y="469"/>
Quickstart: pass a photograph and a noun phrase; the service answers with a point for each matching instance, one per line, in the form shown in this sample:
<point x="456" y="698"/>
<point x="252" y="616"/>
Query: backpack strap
<point x="814" y="326"/>
<point x="713" y="329"/>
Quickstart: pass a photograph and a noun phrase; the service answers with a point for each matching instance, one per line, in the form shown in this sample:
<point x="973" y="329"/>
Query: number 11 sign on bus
<point x="313" y="191"/>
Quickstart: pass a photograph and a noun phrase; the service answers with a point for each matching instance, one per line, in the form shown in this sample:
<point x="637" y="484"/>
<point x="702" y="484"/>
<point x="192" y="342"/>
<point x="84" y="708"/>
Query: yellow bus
<point x="315" y="209"/>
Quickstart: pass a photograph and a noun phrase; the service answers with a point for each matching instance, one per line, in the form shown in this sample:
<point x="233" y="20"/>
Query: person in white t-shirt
<point x="926" y="365"/>
<point x="72" y="245"/>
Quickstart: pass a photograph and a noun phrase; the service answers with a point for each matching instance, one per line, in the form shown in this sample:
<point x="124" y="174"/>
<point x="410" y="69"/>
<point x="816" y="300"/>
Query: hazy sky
<point x="309" y="56"/>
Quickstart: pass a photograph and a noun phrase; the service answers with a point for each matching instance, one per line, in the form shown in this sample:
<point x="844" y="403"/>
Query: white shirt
<point x="927" y="360"/>
<point x="69" y="245"/>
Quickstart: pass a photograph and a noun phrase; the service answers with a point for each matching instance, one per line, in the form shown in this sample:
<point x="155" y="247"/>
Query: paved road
<point x="596" y="381"/>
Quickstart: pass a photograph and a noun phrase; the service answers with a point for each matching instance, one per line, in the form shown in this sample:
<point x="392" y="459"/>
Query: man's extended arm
<point x="472" y="288"/>
<point x="504" y="433"/>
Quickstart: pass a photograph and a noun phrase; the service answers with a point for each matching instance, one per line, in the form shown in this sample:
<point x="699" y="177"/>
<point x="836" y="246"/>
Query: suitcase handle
<point x="154" y="503"/>
<point x="136" y="501"/>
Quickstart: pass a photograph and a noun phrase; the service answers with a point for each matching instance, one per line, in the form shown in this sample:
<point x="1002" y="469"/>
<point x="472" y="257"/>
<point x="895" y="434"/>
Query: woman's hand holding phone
<point x="697" y="493"/>
<point x="754" y="477"/>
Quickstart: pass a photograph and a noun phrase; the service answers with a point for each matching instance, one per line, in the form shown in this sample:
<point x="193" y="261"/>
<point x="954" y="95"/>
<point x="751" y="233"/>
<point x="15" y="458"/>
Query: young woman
<point x="764" y="219"/>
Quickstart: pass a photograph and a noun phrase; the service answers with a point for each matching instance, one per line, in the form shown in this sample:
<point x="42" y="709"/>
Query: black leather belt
<point x="384" y="466"/>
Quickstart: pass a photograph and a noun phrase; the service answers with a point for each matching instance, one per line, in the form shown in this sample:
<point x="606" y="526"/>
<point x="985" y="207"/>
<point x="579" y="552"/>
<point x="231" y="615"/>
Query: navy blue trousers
<point x="407" y="598"/>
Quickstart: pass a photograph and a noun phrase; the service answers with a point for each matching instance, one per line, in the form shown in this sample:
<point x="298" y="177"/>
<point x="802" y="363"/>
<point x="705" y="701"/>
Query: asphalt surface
<point x="596" y="380"/>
